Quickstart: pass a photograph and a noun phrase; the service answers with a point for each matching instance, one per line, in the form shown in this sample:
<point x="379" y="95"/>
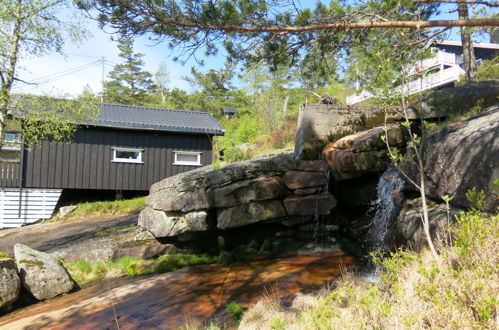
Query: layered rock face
<point x="365" y="152"/>
<point x="271" y="187"/>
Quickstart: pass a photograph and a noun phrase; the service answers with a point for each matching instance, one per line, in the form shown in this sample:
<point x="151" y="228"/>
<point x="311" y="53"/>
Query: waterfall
<point x="384" y="208"/>
<point x="317" y="217"/>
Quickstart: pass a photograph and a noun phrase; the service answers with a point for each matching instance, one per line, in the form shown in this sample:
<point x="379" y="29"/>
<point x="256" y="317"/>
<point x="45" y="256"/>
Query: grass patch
<point x="84" y="272"/>
<point x="106" y="208"/>
<point x="415" y="291"/>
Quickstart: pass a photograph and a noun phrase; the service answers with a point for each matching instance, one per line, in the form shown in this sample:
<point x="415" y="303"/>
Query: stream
<point x="168" y="300"/>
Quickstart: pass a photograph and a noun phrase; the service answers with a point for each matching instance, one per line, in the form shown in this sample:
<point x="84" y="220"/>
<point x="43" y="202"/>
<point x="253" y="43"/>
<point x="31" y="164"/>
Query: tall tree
<point x="161" y="78"/>
<point x="217" y="91"/>
<point x="34" y="28"/>
<point x="129" y="83"/>
<point x="468" y="51"/>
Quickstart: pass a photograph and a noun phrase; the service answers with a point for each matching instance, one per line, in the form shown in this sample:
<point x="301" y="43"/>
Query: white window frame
<point x="127" y="160"/>
<point x="177" y="162"/>
<point x="18" y="138"/>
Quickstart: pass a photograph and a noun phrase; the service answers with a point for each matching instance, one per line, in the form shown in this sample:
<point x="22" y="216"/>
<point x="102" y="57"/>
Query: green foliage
<point x="489" y="69"/>
<point x="84" y="272"/>
<point x="171" y="262"/>
<point x="471" y="231"/>
<point x="129" y="83"/>
<point x="235" y="310"/>
<point x="476" y="198"/>
<point x="31" y="29"/>
<point x="48" y="118"/>
<point x="278" y="324"/>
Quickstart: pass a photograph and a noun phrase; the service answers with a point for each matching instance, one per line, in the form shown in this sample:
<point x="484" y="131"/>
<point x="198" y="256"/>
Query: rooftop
<point x="475" y="44"/>
<point x="157" y="119"/>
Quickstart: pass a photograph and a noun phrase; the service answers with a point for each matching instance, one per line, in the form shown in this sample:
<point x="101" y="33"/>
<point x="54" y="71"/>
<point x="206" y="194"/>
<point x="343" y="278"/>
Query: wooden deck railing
<point x="9" y="175"/>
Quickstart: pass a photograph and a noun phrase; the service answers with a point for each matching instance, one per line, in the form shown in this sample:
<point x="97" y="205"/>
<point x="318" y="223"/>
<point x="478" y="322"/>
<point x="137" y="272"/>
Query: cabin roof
<point x="157" y="119"/>
<point x="475" y="44"/>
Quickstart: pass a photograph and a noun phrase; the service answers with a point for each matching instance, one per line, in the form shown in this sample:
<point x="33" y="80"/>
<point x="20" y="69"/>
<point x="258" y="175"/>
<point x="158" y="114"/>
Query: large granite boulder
<point x="365" y="152"/>
<point x="246" y="214"/>
<point x="273" y="187"/>
<point x="320" y="124"/>
<point x="167" y="224"/>
<point x="464" y="156"/>
<point x="41" y="274"/>
<point x="247" y="191"/>
<point x="10" y="283"/>
<point x="314" y="205"/>
<point x="409" y="226"/>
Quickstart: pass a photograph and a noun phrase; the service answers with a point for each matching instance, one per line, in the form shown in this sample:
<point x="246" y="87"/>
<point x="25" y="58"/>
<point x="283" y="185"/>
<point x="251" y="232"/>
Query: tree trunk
<point x="468" y="53"/>
<point x="8" y="77"/>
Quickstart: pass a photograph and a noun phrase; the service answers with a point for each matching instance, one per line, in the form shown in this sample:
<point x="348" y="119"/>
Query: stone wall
<point x="269" y="188"/>
<point x="319" y="124"/>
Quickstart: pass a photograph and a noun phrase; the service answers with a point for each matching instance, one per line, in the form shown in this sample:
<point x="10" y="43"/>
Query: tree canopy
<point x="34" y="28"/>
<point x="276" y="31"/>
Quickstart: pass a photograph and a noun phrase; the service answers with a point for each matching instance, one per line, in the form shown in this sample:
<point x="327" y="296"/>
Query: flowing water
<point x="168" y="300"/>
<point x="385" y="214"/>
<point x="385" y="210"/>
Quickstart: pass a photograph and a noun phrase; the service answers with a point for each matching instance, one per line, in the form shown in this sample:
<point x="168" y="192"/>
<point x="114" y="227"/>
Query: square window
<point x="187" y="158"/>
<point x="127" y="155"/>
<point x="10" y="137"/>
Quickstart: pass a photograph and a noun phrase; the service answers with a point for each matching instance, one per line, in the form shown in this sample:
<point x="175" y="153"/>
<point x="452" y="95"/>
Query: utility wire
<point x="52" y="75"/>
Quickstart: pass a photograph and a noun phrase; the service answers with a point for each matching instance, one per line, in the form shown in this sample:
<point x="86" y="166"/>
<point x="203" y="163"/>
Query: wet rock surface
<point x="196" y="293"/>
<point x="41" y="274"/>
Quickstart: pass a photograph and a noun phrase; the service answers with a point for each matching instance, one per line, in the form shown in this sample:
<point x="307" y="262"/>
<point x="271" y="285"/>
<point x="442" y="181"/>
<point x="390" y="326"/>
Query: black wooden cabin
<point x="127" y="149"/>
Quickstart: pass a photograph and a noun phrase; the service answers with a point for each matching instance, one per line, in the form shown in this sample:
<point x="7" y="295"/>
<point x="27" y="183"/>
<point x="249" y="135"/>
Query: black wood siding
<point x="85" y="163"/>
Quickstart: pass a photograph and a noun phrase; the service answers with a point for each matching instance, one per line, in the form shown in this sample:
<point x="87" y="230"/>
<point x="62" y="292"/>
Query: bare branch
<point x="332" y="26"/>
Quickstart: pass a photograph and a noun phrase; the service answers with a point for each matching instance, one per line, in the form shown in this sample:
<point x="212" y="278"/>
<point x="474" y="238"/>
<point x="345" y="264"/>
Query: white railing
<point x="437" y="79"/>
<point x="359" y="97"/>
<point x="438" y="59"/>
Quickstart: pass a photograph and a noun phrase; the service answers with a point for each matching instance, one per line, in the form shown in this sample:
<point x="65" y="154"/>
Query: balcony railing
<point x="9" y="175"/>
<point x="437" y="79"/>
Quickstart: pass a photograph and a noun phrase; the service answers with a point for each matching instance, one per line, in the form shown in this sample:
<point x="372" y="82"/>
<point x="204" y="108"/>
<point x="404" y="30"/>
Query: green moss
<point x="31" y="263"/>
<point x="5" y="256"/>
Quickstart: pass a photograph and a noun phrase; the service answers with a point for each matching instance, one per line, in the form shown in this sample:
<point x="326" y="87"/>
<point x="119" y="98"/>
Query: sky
<point x="81" y="65"/>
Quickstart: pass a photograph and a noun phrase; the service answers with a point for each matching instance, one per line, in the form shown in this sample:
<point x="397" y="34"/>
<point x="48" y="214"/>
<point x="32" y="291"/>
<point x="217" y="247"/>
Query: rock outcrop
<point x="464" y="156"/>
<point x="365" y="152"/>
<point x="10" y="283"/>
<point x="409" y="227"/>
<point x="271" y="187"/>
<point x="41" y="274"/>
